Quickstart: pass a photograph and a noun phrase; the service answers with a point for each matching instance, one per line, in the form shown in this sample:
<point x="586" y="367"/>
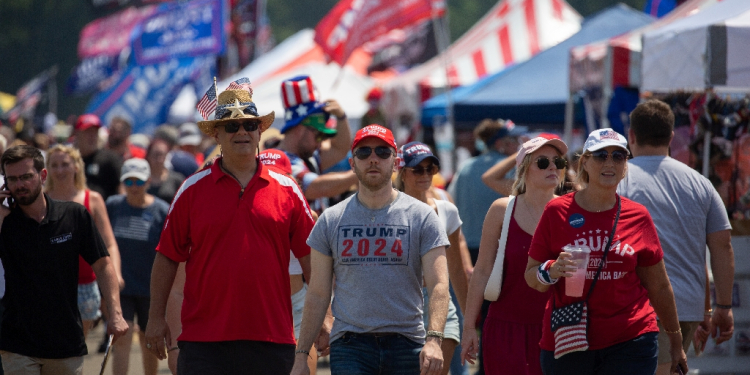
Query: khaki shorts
<point x="17" y="364"/>
<point x="688" y="329"/>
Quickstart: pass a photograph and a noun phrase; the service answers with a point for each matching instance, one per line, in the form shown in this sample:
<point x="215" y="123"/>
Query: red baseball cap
<point x="276" y="159"/>
<point x="86" y="121"/>
<point x="374" y="131"/>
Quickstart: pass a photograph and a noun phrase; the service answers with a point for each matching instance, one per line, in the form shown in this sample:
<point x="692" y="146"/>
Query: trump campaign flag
<point x="353" y="23"/>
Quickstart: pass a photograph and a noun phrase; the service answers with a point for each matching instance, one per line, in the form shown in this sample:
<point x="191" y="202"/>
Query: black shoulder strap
<point x="606" y="250"/>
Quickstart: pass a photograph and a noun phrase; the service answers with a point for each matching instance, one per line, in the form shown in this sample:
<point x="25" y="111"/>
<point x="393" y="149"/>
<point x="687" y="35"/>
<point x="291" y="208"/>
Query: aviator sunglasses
<point x="618" y="156"/>
<point x="543" y="163"/>
<point x="248" y="125"/>
<point x="382" y="152"/>
<point x="431" y="170"/>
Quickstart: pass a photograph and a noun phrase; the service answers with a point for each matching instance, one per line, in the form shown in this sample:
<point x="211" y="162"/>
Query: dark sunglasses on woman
<point x="618" y="156"/>
<point x="431" y="170"/>
<point x="248" y="125"/>
<point x="382" y="152"/>
<point x="543" y="162"/>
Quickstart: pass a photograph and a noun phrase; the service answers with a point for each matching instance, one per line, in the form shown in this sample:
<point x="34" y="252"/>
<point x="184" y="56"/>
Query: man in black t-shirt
<point x="102" y="165"/>
<point x="40" y="242"/>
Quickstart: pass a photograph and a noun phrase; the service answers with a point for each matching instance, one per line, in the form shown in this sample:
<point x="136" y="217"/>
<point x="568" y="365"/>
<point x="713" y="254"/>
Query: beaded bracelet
<point x="725" y="307"/>
<point x="542" y="273"/>
<point x="679" y="330"/>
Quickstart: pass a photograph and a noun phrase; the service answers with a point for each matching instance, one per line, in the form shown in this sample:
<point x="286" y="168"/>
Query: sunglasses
<point x="248" y="125"/>
<point x="382" y="152"/>
<point x="431" y="170"/>
<point x="543" y="163"/>
<point x="618" y="156"/>
<point x="133" y="181"/>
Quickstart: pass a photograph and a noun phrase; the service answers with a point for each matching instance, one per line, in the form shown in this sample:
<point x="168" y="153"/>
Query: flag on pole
<point x="352" y="23"/>
<point x="207" y="104"/>
<point x="241" y="84"/>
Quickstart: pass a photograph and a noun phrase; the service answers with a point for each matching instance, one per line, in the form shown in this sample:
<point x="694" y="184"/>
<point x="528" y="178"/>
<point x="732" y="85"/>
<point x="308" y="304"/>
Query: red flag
<point x="353" y="23"/>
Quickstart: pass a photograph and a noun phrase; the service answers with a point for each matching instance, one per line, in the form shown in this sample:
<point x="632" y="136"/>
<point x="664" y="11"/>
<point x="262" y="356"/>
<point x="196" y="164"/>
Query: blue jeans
<point x="366" y="354"/>
<point x="637" y="356"/>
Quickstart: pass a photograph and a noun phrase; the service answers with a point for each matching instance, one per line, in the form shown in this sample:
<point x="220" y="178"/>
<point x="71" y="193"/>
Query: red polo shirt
<point x="236" y="245"/>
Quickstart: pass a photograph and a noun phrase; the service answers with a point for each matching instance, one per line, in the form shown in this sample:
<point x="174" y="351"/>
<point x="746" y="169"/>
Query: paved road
<point x="92" y="362"/>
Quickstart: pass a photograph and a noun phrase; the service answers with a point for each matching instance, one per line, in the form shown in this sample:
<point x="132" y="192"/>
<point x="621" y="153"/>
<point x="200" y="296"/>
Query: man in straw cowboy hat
<point x="233" y="224"/>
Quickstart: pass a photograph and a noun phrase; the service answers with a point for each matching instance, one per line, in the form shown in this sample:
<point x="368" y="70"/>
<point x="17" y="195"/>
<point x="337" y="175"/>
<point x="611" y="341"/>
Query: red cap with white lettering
<point x="375" y="131"/>
<point x="276" y="159"/>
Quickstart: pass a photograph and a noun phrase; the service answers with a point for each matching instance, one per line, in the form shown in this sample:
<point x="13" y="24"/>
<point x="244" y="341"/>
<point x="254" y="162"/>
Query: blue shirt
<point x="473" y="198"/>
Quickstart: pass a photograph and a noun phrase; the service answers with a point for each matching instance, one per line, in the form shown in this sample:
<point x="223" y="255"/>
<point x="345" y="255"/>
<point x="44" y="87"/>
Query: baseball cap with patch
<point x="414" y="153"/>
<point x="601" y="138"/>
<point x="374" y="131"/>
<point x="135" y="167"/>
<point x="87" y="121"/>
<point x="276" y="159"/>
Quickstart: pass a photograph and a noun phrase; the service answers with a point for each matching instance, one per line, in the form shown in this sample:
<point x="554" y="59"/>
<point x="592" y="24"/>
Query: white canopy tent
<point x="708" y="50"/>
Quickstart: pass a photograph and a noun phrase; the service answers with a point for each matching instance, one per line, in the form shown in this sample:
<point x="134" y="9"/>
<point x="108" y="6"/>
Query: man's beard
<point x="29" y="199"/>
<point x="369" y="183"/>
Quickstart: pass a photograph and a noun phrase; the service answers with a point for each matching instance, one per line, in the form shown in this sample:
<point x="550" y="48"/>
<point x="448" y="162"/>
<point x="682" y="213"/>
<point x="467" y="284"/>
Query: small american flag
<point x="569" y="336"/>
<point x="241" y="84"/>
<point x="207" y="104"/>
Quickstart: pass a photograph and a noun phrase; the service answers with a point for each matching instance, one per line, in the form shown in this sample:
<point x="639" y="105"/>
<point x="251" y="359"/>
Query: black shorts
<point x="135" y="305"/>
<point x="235" y="357"/>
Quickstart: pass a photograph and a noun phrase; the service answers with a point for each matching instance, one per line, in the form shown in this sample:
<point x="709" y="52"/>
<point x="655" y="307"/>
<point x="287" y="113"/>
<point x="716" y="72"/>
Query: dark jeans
<point x="364" y="354"/>
<point x="234" y="357"/>
<point x="637" y="356"/>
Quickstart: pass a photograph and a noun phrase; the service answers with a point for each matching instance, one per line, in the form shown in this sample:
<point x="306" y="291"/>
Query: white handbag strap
<point x="492" y="290"/>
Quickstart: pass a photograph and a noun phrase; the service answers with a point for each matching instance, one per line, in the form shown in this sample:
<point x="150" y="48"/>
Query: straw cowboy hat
<point x="235" y="104"/>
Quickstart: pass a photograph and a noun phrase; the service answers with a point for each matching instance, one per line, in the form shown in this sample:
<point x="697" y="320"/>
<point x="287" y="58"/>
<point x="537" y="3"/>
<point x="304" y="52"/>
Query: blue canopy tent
<point x="534" y="92"/>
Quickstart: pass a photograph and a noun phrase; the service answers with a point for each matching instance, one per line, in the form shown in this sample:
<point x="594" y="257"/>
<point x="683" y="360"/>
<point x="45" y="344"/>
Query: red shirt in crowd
<point x="236" y="245"/>
<point x="619" y="309"/>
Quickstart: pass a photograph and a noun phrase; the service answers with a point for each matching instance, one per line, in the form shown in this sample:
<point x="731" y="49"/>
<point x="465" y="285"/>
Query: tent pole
<point x="568" y="130"/>
<point x="445" y="140"/>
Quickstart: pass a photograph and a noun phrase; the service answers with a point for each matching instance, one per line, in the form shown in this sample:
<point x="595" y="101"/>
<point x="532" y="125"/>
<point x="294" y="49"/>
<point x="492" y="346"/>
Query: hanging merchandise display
<point x="727" y="118"/>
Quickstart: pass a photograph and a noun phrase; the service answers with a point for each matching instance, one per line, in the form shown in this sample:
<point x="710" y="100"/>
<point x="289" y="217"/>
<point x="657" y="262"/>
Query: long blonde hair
<point x="79" y="178"/>
<point x="519" y="185"/>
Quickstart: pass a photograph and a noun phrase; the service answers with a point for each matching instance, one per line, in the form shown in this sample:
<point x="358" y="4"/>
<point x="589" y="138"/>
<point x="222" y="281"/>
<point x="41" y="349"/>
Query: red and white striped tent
<point x="510" y="33"/>
<point x="616" y="62"/>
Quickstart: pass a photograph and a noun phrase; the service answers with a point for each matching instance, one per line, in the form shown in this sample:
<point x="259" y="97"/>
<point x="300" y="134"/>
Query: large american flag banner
<point x="569" y="335"/>
<point x="207" y="104"/>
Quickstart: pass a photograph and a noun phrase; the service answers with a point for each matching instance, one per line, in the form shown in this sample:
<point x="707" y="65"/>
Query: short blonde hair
<point x="80" y="177"/>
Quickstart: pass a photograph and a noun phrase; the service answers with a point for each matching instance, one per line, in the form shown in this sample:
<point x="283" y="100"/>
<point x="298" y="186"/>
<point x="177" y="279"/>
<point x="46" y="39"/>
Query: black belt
<point x="376" y="334"/>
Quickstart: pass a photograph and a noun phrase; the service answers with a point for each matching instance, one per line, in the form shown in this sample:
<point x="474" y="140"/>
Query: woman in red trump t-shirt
<point x="622" y="331"/>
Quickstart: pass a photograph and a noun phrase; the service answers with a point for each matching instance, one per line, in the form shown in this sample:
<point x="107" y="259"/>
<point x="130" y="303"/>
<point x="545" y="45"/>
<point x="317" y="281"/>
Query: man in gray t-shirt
<point x="380" y="245"/>
<point x="688" y="214"/>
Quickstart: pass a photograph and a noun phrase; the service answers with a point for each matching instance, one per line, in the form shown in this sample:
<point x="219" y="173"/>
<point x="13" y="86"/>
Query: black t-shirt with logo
<point x="41" y="279"/>
<point x="103" y="172"/>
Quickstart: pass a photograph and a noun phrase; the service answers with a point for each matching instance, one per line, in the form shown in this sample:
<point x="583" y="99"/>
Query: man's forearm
<point x="312" y="319"/>
<point x="162" y="277"/>
<point x="330" y="184"/>
<point x="722" y="266"/>
<point x="438" y="309"/>
<point x="107" y="279"/>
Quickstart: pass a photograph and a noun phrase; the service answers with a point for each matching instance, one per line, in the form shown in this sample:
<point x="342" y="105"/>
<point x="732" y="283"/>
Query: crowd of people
<point x="228" y="247"/>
